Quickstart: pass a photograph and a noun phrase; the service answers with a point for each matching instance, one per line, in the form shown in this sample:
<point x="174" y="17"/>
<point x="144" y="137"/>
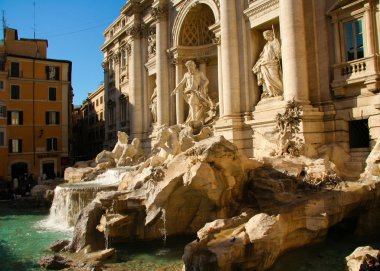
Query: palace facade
<point x="327" y="60"/>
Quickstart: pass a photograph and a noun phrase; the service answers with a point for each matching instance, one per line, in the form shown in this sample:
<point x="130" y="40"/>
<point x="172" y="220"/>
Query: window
<point x="15" y="69"/>
<point x="52" y="117"/>
<point x="2" y="85"/>
<point x="52" y="144"/>
<point x="3" y="111"/>
<point x="15" y="117"/>
<point x="97" y="102"/>
<point x="2" y="64"/>
<point x="15" y="92"/>
<point x="52" y="73"/>
<point x="2" y="137"/>
<point x="111" y="115"/>
<point x="52" y="94"/>
<point x="123" y="110"/>
<point x="101" y="116"/>
<point x="15" y="145"/>
<point x="123" y="58"/>
<point x="101" y="99"/>
<point x="353" y="32"/>
<point x="359" y="134"/>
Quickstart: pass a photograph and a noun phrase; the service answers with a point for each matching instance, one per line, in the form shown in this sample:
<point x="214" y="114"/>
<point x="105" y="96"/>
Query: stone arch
<point x="182" y="15"/>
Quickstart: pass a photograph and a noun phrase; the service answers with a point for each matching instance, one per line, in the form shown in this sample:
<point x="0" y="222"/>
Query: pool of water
<point x="328" y="255"/>
<point x="23" y="240"/>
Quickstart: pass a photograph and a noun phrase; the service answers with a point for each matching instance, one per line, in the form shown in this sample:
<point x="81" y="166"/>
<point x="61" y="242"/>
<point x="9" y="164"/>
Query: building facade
<point x="35" y="108"/>
<point x="257" y="55"/>
<point x="89" y="127"/>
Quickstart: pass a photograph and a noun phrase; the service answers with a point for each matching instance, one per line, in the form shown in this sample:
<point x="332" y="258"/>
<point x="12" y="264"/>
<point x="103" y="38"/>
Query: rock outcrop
<point x="285" y="215"/>
<point x="197" y="186"/>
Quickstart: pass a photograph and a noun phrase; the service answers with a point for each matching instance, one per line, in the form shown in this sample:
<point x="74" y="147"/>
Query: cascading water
<point x="164" y="232"/>
<point x="70" y="199"/>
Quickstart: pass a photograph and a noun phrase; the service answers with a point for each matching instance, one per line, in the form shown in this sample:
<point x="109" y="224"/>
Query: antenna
<point x="4" y="21"/>
<point x="34" y="19"/>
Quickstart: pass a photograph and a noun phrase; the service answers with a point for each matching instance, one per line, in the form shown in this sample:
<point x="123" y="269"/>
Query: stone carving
<point x="194" y="85"/>
<point x="192" y="133"/>
<point x="153" y="104"/>
<point x="166" y="147"/>
<point x="151" y="44"/>
<point x="268" y="68"/>
<point x="287" y="125"/>
<point x="123" y="154"/>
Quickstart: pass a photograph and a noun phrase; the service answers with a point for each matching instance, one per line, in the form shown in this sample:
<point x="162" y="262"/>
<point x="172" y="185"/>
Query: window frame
<point x="2" y="85"/>
<point x="56" y="76"/>
<point x="10" y="118"/>
<point x="51" y="144"/>
<point x="3" y="113"/>
<point x="49" y="117"/>
<point x="4" y="132"/>
<point x="11" y="145"/>
<point x="352" y="21"/>
<point x="11" y="69"/>
<point x="19" y="92"/>
<point x="55" y="94"/>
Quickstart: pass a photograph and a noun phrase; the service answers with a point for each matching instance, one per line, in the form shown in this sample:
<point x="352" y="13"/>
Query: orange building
<point x="35" y="108"/>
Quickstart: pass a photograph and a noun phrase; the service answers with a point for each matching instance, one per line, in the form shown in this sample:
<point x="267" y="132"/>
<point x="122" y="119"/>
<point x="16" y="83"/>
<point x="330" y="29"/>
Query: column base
<point x="235" y="130"/>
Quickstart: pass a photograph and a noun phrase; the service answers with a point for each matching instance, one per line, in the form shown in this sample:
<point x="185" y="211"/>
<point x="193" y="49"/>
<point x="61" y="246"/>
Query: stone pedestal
<point x="263" y="125"/>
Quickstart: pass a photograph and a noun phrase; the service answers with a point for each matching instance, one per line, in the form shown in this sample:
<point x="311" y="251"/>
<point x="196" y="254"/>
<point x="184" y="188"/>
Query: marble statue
<point x="267" y="67"/>
<point x="166" y="147"/>
<point x="152" y="44"/>
<point x="194" y="85"/>
<point x="153" y="105"/>
<point x="114" y="155"/>
<point x="123" y="154"/>
<point x="131" y="154"/>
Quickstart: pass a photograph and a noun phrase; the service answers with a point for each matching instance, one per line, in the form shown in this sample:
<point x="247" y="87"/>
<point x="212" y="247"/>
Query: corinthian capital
<point x="159" y="13"/>
<point x="134" y="31"/>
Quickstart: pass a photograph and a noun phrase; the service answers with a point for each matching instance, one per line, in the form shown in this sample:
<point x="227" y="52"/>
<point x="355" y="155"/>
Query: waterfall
<point x="163" y="230"/>
<point x="71" y="198"/>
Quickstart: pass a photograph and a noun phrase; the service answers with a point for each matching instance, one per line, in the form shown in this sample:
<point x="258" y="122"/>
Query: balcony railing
<point x="355" y="71"/>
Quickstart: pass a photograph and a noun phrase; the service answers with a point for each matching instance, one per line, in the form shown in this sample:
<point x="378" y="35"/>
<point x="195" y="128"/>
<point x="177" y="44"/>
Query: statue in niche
<point x="194" y="85"/>
<point x="151" y="45"/>
<point x="268" y="68"/>
<point x="153" y="104"/>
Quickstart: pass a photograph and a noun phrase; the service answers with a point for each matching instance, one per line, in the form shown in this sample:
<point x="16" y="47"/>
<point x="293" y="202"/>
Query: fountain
<point x="70" y="199"/>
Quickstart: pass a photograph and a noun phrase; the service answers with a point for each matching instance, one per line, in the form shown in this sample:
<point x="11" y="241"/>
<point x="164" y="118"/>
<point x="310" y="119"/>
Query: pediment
<point x="341" y="4"/>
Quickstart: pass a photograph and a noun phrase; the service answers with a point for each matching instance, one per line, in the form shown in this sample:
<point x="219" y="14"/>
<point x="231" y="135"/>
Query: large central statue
<point x="194" y="85"/>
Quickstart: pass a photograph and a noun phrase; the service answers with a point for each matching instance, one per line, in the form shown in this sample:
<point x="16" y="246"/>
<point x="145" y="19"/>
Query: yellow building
<point x="35" y="108"/>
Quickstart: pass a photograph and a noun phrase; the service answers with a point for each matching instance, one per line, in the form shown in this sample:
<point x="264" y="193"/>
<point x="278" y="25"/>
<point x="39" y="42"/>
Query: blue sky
<point x="74" y="30"/>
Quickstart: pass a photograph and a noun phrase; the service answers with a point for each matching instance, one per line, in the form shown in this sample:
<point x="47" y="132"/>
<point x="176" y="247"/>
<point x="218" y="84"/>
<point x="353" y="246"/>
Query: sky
<point x="74" y="30"/>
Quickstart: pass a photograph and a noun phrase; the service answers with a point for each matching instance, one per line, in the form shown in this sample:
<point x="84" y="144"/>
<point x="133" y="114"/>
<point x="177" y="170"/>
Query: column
<point x="116" y="61"/>
<point x="293" y="49"/>
<point x="163" y="92"/>
<point x="220" y="76"/>
<point x="135" y="82"/>
<point x="179" y="101"/>
<point x="369" y="27"/>
<point x="105" y="100"/>
<point x="229" y="52"/>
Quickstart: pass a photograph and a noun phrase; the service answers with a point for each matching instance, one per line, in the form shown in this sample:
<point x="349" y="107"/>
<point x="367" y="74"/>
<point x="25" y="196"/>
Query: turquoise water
<point x="22" y="240"/>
